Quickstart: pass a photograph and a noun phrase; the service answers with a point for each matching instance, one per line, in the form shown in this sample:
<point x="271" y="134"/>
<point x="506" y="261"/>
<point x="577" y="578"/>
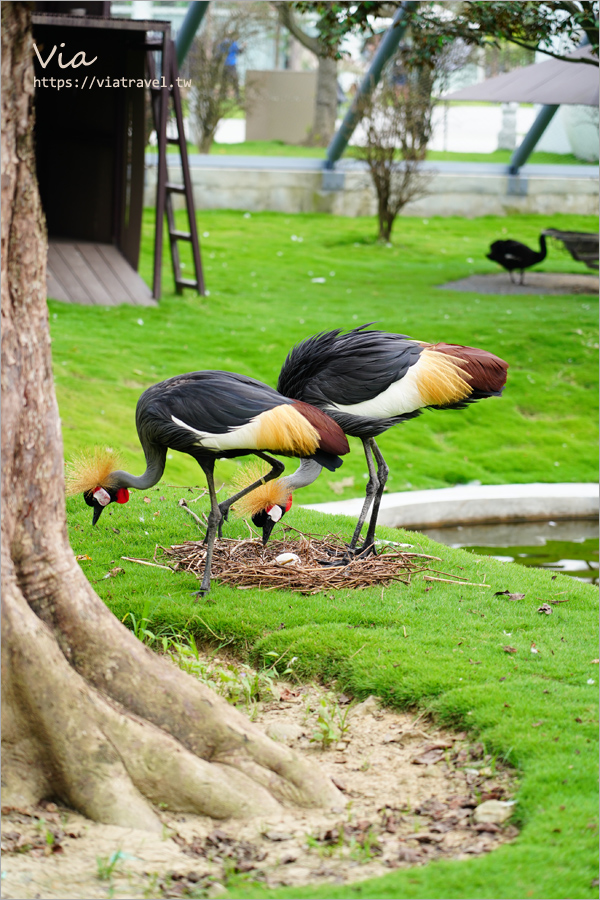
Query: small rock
<point x="284" y="732"/>
<point x="288" y="858"/>
<point x="494" y="811"/>
<point x="341" y="746"/>
<point x="278" y="835"/>
<point x="407" y="854"/>
<point x="368" y="707"/>
<point x="216" y="890"/>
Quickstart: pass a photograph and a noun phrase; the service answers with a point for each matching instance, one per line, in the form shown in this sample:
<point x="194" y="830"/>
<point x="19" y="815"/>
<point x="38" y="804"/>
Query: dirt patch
<point x="535" y="283"/>
<point x="411" y="791"/>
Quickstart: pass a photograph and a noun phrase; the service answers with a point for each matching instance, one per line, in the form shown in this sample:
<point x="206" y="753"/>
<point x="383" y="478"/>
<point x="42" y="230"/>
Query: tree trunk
<point x="89" y="715"/>
<point x="323" y="128"/>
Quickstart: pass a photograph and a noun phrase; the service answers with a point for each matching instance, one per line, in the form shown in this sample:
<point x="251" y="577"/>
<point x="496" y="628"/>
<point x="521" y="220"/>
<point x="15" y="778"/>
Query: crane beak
<point x="267" y="529"/>
<point x="97" y="513"/>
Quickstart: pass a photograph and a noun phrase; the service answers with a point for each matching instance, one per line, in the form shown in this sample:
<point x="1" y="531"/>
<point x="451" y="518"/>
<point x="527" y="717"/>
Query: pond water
<point x="570" y="547"/>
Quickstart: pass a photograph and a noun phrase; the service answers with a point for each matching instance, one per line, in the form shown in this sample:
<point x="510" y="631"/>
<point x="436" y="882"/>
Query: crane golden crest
<point x="271" y="493"/>
<point x="90" y="469"/>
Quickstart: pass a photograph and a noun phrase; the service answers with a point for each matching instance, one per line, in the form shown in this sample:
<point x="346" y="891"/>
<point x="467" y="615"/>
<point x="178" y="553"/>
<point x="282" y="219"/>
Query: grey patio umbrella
<point x="553" y="82"/>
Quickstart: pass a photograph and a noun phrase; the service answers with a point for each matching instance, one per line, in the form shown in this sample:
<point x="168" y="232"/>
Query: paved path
<point x="299" y="163"/>
<point x="535" y="283"/>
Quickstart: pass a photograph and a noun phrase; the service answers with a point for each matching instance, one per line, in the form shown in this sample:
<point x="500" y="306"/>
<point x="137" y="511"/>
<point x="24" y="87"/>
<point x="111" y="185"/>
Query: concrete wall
<point x="281" y="105"/>
<point x="287" y="190"/>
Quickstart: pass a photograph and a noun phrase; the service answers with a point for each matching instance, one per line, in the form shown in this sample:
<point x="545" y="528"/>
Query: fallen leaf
<point x="510" y="649"/>
<point x="82" y="556"/>
<point x="147" y="500"/>
<point x="545" y="608"/>
<point x="340" y="785"/>
<point x="475" y="663"/>
<point x="537" y="724"/>
<point x="533" y="648"/>
<point x="425" y="837"/>
<point x="286" y="694"/>
<point x="509" y="596"/>
<point x="430" y="757"/>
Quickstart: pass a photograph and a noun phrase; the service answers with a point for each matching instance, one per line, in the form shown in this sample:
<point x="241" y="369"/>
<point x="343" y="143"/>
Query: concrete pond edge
<point x="477" y="504"/>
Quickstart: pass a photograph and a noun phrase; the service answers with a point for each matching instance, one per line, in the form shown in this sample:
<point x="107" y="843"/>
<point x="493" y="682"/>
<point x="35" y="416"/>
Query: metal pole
<point x="523" y="151"/>
<point x="189" y="27"/>
<point x="385" y="51"/>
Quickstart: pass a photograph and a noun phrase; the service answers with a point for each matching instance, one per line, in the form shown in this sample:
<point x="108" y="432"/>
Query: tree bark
<point x="89" y="715"/>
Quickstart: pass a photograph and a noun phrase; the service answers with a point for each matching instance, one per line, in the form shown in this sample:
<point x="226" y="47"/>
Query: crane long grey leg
<point x="277" y="467"/>
<point x="372" y="487"/>
<point x="382" y="475"/>
<point x="214" y="520"/>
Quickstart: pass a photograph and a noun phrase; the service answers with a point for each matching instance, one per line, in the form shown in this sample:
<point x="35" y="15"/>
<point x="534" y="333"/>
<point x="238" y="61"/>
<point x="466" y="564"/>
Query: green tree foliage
<point x="530" y="24"/>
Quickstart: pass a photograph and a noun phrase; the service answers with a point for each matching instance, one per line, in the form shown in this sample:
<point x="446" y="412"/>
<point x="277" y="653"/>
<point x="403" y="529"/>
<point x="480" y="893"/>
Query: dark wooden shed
<point x="91" y="76"/>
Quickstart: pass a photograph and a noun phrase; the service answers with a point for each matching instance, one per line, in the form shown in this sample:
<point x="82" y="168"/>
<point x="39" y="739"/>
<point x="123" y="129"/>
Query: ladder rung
<point x="175" y="188"/>
<point x="180" y="235"/>
<point x="186" y="282"/>
<point x="173" y="140"/>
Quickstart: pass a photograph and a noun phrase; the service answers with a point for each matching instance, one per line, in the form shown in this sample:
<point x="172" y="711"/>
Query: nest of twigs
<point x="247" y="563"/>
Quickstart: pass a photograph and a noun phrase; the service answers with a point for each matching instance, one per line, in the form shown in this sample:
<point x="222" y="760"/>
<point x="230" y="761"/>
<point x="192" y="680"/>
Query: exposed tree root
<point x="90" y="716"/>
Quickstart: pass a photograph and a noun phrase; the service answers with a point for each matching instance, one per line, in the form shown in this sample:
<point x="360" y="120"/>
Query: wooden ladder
<point x="169" y="89"/>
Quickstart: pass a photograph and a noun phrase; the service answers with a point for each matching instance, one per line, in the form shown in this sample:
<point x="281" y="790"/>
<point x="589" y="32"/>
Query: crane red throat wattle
<point x="288" y="505"/>
<point x="121" y="495"/>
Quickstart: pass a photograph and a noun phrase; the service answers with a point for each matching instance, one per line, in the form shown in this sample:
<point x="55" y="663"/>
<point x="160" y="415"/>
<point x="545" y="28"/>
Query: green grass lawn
<point x="435" y="647"/>
<point x="280" y="148"/>
<point x="452" y="661"/>
<point x="262" y="300"/>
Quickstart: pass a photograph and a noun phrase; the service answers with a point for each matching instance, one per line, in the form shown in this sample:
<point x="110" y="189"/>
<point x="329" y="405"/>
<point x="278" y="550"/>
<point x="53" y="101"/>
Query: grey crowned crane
<point x="368" y="381"/>
<point x="513" y="255"/>
<point x="213" y="415"/>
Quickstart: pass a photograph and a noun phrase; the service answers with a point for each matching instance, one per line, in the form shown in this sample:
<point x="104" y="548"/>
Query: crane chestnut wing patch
<point x="331" y="437"/>
<point x="487" y="373"/>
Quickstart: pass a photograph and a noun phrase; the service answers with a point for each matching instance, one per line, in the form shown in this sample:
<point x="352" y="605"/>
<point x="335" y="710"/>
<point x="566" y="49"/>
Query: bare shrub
<point x="397" y="127"/>
<point x="216" y="92"/>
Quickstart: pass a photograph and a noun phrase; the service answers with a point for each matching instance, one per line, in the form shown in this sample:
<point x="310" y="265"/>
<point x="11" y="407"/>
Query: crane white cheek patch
<point x="101" y="496"/>
<point x="275" y="513"/>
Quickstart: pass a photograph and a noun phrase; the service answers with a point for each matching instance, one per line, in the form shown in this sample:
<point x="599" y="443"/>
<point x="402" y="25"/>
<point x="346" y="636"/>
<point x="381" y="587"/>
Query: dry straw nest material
<point x="246" y="563"/>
